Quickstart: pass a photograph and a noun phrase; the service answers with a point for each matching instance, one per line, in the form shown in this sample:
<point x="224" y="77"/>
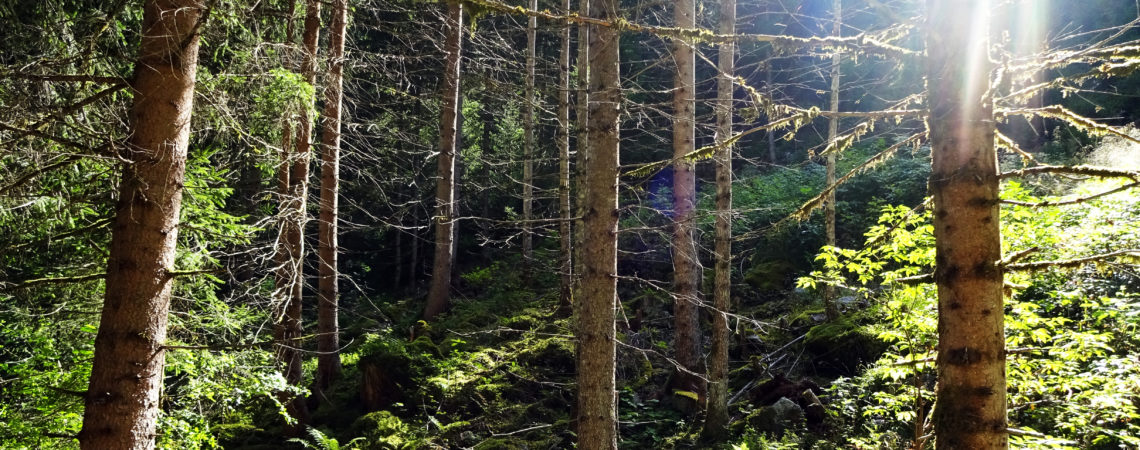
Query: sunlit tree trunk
<point x="122" y="401"/>
<point x="328" y="359"/>
<point x="582" y="149"/>
<point x="686" y="265"/>
<point x="528" y="142"/>
<point x="566" y="271"/>
<point x="830" y="309"/>
<point x="971" y="411"/>
<point x="440" y="294"/>
<point x="597" y="408"/>
<point x="716" y="419"/>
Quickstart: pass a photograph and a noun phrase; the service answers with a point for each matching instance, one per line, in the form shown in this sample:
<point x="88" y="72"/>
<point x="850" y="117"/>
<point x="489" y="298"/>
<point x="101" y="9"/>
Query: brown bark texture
<point x="565" y="297"/>
<point x="971" y="410"/>
<point x="830" y="308"/>
<point x="528" y="143"/>
<point x="716" y="418"/>
<point x="440" y="293"/>
<point x="582" y="150"/>
<point x="597" y="407"/>
<point x="121" y="405"/>
<point x="686" y="265"/>
<point x="328" y="341"/>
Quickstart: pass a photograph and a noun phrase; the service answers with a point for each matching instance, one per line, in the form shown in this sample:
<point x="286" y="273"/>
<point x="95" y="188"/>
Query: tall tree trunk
<point x="771" y="94"/>
<point x="121" y="406"/>
<point x="830" y="309"/>
<point x="582" y="149"/>
<point x="686" y="264"/>
<point x="716" y="420"/>
<point x="528" y="142"/>
<point x="971" y="411"/>
<point x="597" y="408"/>
<point x="564" y="297"/>
<point x="440" y="294"/>
<point x="328" y="359"/>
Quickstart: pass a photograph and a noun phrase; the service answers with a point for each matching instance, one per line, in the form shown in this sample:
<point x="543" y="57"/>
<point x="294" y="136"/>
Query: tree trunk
<point x="581" y="175"/>
<point x="971" y="411"/>
<point x="121" y="406"/>
<point x="528" y="143"/>
<point x="597" y="408"/>
<point x="440" y="293"/>
<point x="830" y="309"/>
<point x="686" y="264"/>
<point x="771" y="94"/>
<point x="716" y="420"/>
<point x="564" y="297"/>
<point x="328" y="359"/>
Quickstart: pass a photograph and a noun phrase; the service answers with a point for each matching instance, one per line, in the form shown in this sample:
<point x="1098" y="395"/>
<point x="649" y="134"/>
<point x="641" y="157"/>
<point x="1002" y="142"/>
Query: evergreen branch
<point x="1003" y="141"/>
<point x="1078" y="121"/>
<point x="1084" y="170"/>
<point x="72" y="232"/>
<point x="52" y="280"/>
<point x="28" y="175"/>
<point x="861" y="42"/>
<point x="808" y="207"/>
<point x="1071" y="263"/>
<point x="68" y="78"/>
<point x="1072" y="201"/>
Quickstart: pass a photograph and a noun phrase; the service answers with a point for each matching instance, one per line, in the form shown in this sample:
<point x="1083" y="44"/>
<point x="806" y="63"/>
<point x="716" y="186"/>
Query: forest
<point x="593" y="224"/>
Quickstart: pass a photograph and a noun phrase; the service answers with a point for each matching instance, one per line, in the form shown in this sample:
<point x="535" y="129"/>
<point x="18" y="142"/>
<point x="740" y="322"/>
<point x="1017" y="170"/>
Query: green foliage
<point x="1073" y="365"/>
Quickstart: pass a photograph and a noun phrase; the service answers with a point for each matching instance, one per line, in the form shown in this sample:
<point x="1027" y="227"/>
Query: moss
<point x="381" y="431"/>
<point x="231" y="435"/>
<point x="843" y="344"/>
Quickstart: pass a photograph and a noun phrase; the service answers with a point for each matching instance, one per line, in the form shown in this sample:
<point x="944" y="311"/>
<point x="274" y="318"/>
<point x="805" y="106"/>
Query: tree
<point x="121" y="403"/>
<point x="528" y="138"/>
<point x="597" y="351"/>
<point x="440" y="293"/>
<point x="716" y="419"/>
<point x="971" y="410"/>
<point x="328" y="343"/>
<point x="830" y="309"/>
<point x="565" y="296"/>
<point x="686" y="264"/>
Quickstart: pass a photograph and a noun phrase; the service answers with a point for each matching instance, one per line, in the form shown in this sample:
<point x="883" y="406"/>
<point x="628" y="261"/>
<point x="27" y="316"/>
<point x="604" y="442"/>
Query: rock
<point x="777" y="417"/>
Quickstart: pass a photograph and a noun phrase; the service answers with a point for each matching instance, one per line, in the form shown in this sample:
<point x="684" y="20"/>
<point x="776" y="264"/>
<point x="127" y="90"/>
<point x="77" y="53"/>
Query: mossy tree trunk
<point x="597" y="408"/>
<point x="122" y="401"/>
<point x="829" y="294"/>
<point x="716" y="418"/>
<point x="971" y="411"/>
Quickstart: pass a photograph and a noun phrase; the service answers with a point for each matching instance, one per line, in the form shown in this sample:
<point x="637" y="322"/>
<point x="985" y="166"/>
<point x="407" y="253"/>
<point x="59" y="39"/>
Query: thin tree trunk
<point x="686" y="265"/>
<point x="328" y="358"/>
<point x="771" y="93"/>
<point x="528" y="142"/>
<point x="565" y="299"/>
<point x="830" y="309"/>
<point x="414" y="268"/>
<point x="121" y="405"/>
<point x="291" y="324"/>
<point x="440" y="293"/>
<point x="716" y="420"/>
<point x="597" y="408"/>
<point x="582" y="149"/>
<point x="971" y="411"/>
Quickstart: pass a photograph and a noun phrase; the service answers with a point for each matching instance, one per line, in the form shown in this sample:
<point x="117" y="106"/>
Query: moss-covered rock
<point x="840" y="346"/>
<point x="381" y="431"/>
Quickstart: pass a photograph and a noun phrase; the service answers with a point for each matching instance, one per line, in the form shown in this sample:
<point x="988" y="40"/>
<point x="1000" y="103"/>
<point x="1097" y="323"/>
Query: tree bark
<point x="830" y="309"/>
<point x="528" y="143"/>
<point x="716" y="419"/>
<point x="328" y="342"/>
<point x="686" y="263"/>
<point x="971" y="411"/>
<point x="121" y="405"/>
<point x="440" y="294"/>
<point x="597" y="408"/>
<point x="565" y="299"/>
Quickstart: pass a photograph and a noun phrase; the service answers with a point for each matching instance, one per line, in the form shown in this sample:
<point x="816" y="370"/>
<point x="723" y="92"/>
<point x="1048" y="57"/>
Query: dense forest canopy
<point x="389" y="224"/>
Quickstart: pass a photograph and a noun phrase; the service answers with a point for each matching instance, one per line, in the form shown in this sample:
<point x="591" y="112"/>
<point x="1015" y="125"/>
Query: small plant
<point x="322" y="442"/>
